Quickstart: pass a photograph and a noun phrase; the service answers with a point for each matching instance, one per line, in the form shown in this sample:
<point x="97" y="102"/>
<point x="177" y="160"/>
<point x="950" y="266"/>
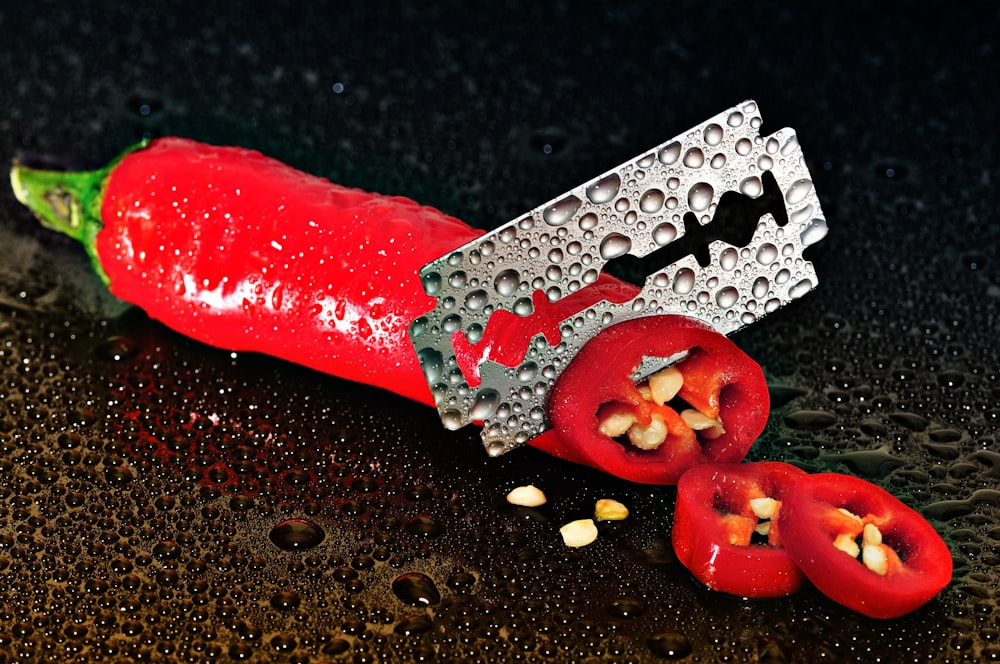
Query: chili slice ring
<point x="720" y="383"/>
<point x="861" y="546"/>
<point x="721" y="510"/>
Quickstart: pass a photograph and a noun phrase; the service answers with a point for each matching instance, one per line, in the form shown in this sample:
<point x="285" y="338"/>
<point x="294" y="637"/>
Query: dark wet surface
<point x="165" y="501"/>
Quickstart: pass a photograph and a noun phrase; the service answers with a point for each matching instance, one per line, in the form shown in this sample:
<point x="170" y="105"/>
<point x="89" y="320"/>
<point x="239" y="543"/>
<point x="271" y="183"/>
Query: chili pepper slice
<point x="724" y="387"/>
<point x="722" y="510"/>
<point x="242" y="252"/>
<point x="861" y="546"/>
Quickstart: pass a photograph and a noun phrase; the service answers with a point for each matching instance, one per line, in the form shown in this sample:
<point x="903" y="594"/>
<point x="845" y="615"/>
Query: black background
<point x="484" y="112"/>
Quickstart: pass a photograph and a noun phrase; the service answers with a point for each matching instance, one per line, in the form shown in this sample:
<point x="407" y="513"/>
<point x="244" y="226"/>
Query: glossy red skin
<point x="701" y="534"/>
<point x="809" y="526"/>
<point x="242" y="252"/>
<point x="601" y="373"/>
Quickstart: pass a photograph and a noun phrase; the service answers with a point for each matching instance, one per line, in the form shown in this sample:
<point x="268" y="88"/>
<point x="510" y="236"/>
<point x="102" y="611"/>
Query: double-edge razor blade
<point x="711" y="224"/>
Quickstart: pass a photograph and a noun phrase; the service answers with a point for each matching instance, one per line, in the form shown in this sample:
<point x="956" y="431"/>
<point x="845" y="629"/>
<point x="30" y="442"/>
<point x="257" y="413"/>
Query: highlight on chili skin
<point x="709" y="406"/>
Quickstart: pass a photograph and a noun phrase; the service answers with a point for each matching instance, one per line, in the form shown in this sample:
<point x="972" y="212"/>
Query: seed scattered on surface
<point x="579" y="533"/>
<point x="608" y="509"/>
<point x="526" y="496"/>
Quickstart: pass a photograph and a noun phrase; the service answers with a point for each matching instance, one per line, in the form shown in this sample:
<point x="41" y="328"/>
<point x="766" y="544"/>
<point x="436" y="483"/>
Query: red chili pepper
<point x="720" y="509"/>
<point x="242" y="252"/>
<point x="724" y="387"/>
<point x="861" y="546"/>
<point x="245" y="253"/>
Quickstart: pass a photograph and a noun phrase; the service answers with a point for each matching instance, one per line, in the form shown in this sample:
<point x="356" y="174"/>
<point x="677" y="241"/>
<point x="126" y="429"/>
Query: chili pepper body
<point x="242" y="252"/>
<point x="714" y="523"/>
<point x="601" y="373"/>
<point x="822" y="511"/>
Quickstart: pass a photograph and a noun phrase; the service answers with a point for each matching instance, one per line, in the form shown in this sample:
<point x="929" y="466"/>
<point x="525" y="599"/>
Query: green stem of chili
<point x="68" y="202"/>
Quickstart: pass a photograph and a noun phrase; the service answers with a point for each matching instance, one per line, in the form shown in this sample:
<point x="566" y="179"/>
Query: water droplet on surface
<point x="484" y="406"/>
<point x="713" y="133"/>
<point x="700" y="196"/>
<point x="116" y="349"/>
<point x="810" y="420"/>
<point x="800" y="289"/>
<point x="285" y="600"/>
<point x="416" y="589"/>
<point x="683" y="281"/>
<point x="431" y="282"/>
<point x="588" y="222"/>
<point x="727" y="297"/>
<point x="604" y="189"/>
<point x="694" y="158"/>
<point x="718" y="161"/>
<point x="614" y="245"/>
<point x="760" y="287"/>
<point x="296" y="535"/>
<point x="798" y="191"/>
<point x="476" y="300"/>
<point x="751" y="186"/>
<point x="669" y="153"/>
<point x="664" y="234"/>
<point x="735" y="119"/>
<point x="814" y="232"/>
<point x="424" y="526"/>
<point x="670" y="645"/>
<point x="560" y="212"/>
<point x="416" y="624"/>
<point x="744" y="147"/>
<point x="651" y="201"/>
<point x="432" y="363"/>
<point x="729" y="258"/>
<point x="767" y="254"/>
<point x="507" y="282"/>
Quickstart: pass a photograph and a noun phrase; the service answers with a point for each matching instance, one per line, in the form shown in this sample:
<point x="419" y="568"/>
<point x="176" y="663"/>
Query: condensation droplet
<point x="735" y="119"/>
<point x="694" y="158"/>
<point x="651" y="201"/>
<point x="798" y="190"/>
<point x="560" y="212"/>
<point x="751" y="186"/>
<point x="296" y="534"/>
<point x="684" y="281"/>
<point x="713" y="134"/>
<point x="800" y="289"/>
<point x="507" y="282"/>
<point x="432" y="363"/>
<point x="814" y="232"/>
<point x="729" y="258"/>
<point x="700" y="196"/>
<point x="718" y="161"/>
<point x="760" y="287"/>
<point x="431" y="282"/>
<point x="476" y="300"/>
<point x="669" y="153"/>
<point x="664" y="234"/>
<point x="604" y="189"/>
<point x="727" y="297"/>
<point x="416" y="589"/>
<point x="743" y="147"/>
<point x="485" y="404"/>
<point x="767" y="254"/>
<point x="614" y="245"/>
<point x="588" y="222"/>
<point x="765" y="163"/>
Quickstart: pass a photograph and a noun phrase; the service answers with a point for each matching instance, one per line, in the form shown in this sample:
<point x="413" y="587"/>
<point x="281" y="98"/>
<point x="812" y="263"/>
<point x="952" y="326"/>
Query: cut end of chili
<point x="708" y="407"/>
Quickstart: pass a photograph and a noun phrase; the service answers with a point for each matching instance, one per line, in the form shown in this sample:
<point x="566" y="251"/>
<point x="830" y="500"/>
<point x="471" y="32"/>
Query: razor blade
<point x="710" y="224"/>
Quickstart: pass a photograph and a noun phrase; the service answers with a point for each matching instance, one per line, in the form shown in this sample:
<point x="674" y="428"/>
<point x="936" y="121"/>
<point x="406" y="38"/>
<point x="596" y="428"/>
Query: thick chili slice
<point x="647" y="433"/>
<point x="725" y="531"/>
<point x="861" y="546"/>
